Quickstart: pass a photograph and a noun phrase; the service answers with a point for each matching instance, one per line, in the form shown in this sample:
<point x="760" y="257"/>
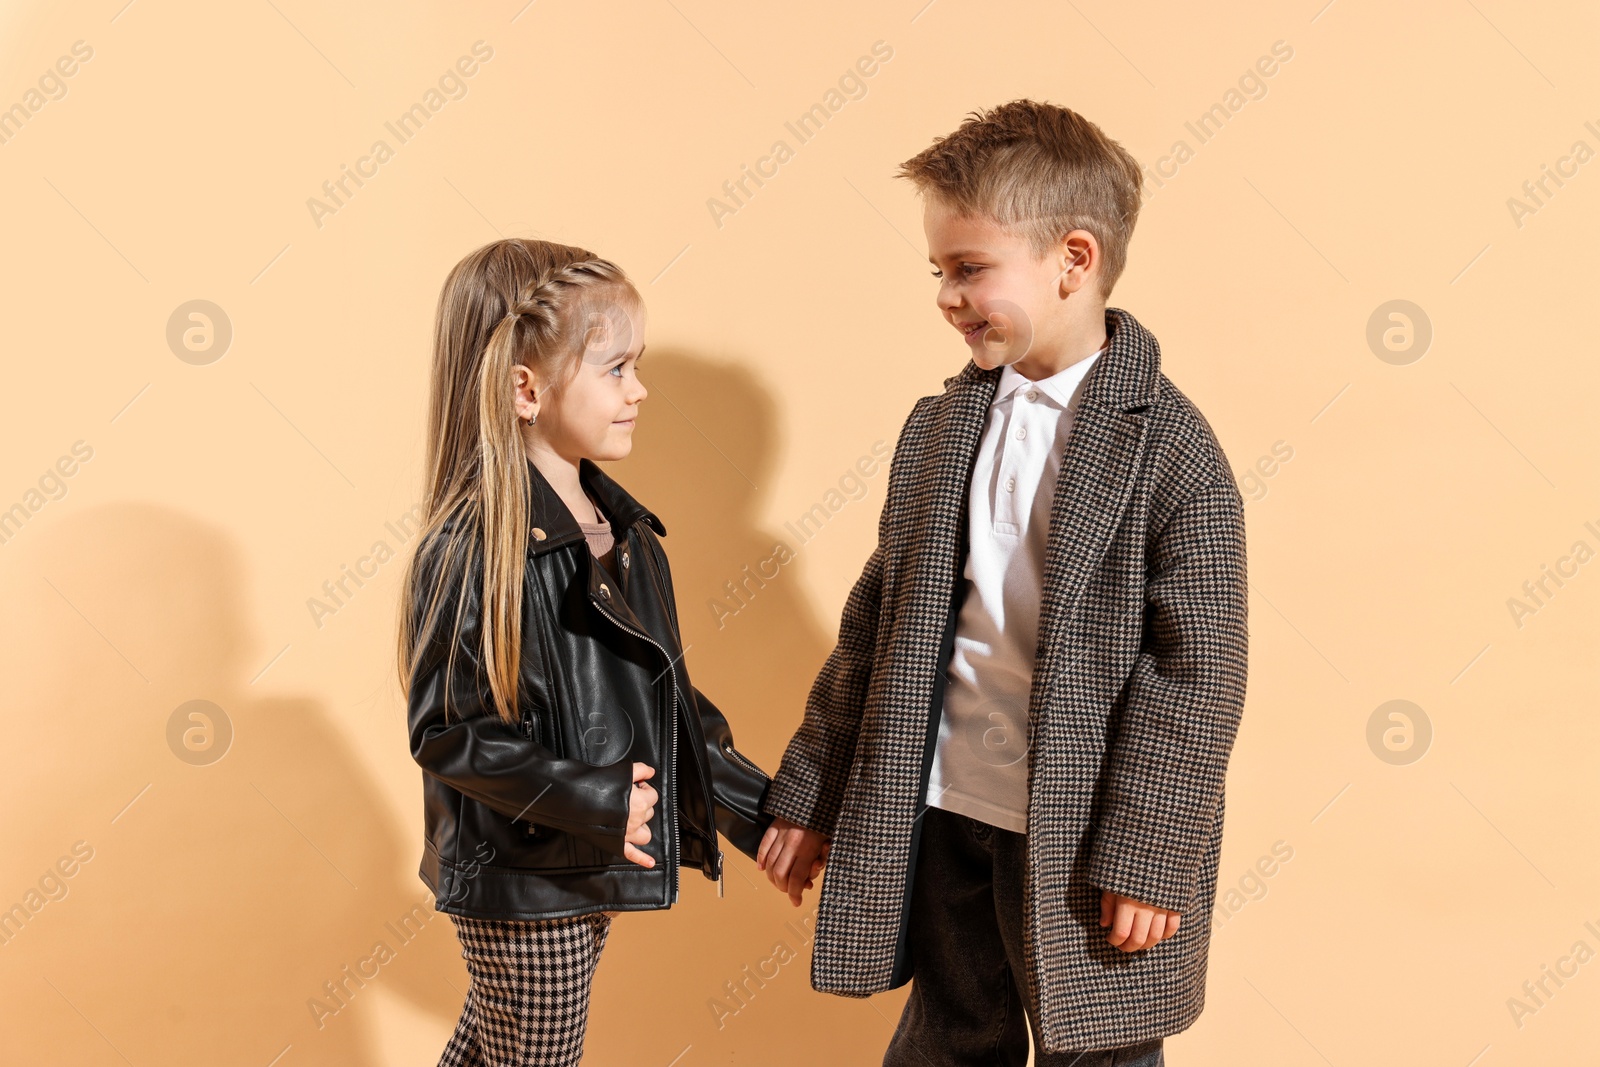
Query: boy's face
<point x="1008" y="303"/>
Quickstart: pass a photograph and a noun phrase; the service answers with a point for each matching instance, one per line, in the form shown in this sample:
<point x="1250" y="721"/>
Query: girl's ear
<point x="526" y="389"/>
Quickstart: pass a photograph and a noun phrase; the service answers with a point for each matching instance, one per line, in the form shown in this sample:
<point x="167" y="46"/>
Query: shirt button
<point x="1033" y="394"/>
<point x="1011" y="485"/>
<point x="1022" y="432"/>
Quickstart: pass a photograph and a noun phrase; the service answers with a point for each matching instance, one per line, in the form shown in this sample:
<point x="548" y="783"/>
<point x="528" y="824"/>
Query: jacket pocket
<point x="534" y="729"/>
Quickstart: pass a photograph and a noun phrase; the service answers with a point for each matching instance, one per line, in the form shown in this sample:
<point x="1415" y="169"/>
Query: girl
<point x="570" y="768"/>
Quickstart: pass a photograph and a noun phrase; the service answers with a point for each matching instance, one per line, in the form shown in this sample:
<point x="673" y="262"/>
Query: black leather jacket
<point x="529" y="823"/>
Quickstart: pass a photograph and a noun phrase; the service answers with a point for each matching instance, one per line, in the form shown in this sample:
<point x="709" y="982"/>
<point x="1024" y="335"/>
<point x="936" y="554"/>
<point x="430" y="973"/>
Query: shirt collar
<point x="1058" y="387"/>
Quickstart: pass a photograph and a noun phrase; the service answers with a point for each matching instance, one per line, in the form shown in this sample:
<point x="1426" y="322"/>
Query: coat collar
<point x="1100" y="463"/>
<point x="1127" y="376"/>
<point x="548" y="513"/>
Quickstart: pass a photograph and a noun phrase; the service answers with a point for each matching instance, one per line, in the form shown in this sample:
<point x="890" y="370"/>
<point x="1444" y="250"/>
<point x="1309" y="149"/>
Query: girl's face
<point x="592" y="415"/>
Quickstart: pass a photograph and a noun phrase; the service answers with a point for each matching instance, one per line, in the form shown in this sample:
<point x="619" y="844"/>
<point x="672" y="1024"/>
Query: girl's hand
<point x="640" y="811"/>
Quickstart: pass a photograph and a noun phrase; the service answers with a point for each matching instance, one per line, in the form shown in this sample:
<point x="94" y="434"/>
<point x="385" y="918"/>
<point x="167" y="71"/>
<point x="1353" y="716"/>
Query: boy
<point x="1013" y="761"/>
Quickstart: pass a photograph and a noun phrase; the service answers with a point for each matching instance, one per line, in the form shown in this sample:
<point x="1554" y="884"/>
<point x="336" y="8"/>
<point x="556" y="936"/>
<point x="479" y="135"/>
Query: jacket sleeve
<point x="489" y="760"/>
<point x="810" y="783"/>
<point x="737" y="785"/>
<point x="1184" y="697"/>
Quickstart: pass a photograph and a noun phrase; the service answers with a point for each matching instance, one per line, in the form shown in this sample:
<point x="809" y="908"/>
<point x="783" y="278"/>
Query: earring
<point x="533" y="419"/>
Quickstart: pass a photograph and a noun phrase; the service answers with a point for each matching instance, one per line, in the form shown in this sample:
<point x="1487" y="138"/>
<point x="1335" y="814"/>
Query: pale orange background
<point x="783" y="344"/>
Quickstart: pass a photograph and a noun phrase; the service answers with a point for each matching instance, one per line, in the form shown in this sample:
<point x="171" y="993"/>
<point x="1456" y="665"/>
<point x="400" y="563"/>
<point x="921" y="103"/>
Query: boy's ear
<point x="1079" y="252"/>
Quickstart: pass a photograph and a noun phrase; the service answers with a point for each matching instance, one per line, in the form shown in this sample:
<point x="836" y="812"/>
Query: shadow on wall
<point x="219" y="899"/>
<point x="704" y="460"/>
<point x="210" y="905"/>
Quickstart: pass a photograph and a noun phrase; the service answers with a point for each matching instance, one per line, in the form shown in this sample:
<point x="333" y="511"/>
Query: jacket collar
<point x="548" y="513"/>
<point x="1126" y="376"/>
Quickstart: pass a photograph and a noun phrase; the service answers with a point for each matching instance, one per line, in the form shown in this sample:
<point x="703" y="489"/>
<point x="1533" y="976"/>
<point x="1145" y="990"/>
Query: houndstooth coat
<point x="1138" y="685"/>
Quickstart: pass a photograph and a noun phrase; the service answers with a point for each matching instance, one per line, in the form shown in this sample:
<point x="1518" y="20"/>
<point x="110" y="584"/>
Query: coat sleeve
<point x="809" y="787"/>
<point x="1183" y="699"/>
<point x="810" y="783"/>
<point x="478" y="754"/>
<point x="737" y="785"/>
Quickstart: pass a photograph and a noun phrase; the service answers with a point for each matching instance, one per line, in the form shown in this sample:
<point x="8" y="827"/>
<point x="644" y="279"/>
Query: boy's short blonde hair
<point x="1040" y="170"/>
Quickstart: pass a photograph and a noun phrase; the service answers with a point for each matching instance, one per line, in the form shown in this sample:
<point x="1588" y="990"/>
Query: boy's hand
<point x="792" y="856"/>
<point x="1134" y="925"/>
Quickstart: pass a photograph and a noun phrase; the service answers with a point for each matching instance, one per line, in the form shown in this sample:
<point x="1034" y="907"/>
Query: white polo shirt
<point x="980" y="767"/>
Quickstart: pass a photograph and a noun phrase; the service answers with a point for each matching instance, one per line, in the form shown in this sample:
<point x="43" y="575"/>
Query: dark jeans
<point x="965" y="1006"/>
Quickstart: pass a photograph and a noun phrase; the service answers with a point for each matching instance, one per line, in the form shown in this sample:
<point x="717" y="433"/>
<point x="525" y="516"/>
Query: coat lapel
<point x="1099" y="467"/>
<point x="1098" y="471"/>
<point x="960" y="432"/>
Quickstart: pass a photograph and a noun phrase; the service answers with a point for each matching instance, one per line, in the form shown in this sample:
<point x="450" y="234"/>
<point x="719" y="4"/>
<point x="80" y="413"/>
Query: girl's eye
<point x="617" y="370"/>
<point x="937" y="273"/>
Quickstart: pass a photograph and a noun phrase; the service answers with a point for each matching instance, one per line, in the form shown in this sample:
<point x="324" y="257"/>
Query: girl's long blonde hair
<point x="516" y="301"/>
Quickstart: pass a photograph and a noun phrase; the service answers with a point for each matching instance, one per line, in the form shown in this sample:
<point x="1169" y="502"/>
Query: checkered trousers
<point x="528" y="1001"/>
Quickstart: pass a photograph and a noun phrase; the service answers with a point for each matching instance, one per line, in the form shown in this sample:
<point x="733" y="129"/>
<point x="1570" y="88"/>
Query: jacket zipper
<point x="711" y="812"/>
<point x="672" y="750"/>
<point x="735" y="755"/>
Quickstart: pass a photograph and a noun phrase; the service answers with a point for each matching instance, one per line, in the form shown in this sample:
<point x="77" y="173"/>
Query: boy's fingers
<point x="1141" y="929"/>
<point x="766" y="843"/>
<point x="778" y="867"/>
<point x="796" y="876"/>
<point x="1121" y="923"/>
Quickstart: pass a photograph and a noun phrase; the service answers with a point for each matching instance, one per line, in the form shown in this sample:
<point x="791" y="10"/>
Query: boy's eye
<point x="617" y="370"/>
